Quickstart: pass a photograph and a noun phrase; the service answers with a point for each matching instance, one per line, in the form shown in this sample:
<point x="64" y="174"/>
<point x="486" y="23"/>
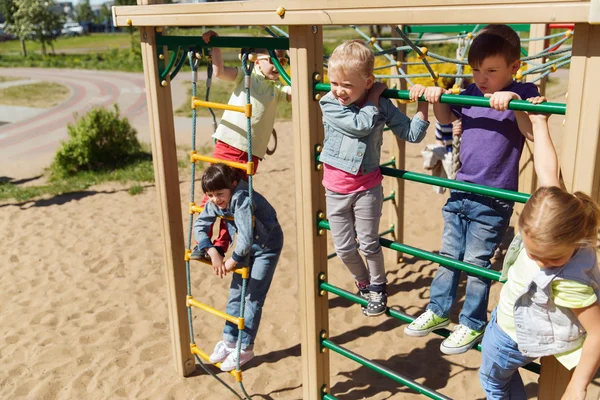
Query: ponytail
<point x="552" y="216"/>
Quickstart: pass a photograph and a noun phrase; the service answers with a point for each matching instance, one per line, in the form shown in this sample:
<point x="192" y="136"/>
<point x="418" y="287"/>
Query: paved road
<point x="27" y="146"/>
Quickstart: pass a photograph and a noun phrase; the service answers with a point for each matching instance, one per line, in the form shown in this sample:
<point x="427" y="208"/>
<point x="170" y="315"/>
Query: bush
<point x="98" y="141"/>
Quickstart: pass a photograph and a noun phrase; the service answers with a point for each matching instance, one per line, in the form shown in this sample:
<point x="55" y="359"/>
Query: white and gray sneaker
<point x="222" y="350"/>
<point x="231" y="362"/>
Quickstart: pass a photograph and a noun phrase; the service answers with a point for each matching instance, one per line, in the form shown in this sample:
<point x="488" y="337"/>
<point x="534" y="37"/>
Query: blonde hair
<point x="352" y="55"/>
<point x="554" y="217"/>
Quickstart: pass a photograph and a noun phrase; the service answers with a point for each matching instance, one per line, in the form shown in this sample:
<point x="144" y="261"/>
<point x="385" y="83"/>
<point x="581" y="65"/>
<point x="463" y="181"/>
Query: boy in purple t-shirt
<point x="474" y="225"/>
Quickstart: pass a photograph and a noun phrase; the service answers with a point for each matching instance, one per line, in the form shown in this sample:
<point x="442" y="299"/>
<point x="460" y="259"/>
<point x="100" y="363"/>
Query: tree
<point x="36" y="19"/>
<point x="8" y="9"/>
<point x="83" y="12"/>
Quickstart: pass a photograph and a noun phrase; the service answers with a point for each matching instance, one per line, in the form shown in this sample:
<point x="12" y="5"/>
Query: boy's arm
<point x="524" y="124"/>
<point x="590" y="355"/>
<point x="219" y="70"/>
<point x="202" y="227"/>
<point x="499" y="101"/>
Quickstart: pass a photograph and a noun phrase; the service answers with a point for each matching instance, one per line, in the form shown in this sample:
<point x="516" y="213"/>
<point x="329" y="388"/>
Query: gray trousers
<point x="353" y="217"/>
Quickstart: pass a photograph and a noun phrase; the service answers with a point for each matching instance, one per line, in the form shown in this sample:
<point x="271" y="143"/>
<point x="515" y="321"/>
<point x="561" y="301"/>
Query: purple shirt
<point x="491" y="141"/>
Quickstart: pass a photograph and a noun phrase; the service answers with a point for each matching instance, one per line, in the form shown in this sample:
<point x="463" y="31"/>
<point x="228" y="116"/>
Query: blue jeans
<point x="500" y="363"/>
<point x="474" y="226"/>
<point x="263" y="263"/>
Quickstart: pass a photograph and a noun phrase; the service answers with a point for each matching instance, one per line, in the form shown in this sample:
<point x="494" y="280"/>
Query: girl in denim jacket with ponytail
<point x="549" y="304"/>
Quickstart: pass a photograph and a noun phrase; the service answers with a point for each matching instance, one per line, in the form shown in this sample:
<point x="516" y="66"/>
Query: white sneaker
<point x="222" y="350"/>
<point x="231" y="362"/>
<point x="461" y="340"/>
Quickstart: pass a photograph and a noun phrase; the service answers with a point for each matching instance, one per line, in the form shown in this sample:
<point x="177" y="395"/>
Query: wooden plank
<point x="166" y="175"/>
<point x="406" y="12"/>
<point x="306" y="58"/>
<point x="580" y="164"/>
<point x="313" y="5"/>
<point x="554" y="379"/>
<point x="396" y="148"/>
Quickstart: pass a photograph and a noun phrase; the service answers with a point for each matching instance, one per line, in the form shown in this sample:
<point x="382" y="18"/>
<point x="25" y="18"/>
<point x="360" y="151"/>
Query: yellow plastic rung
<point x="248" y="167"/>
<point x="245" y="109"/>
<point x="234" y="320"/>
<point x="243" y="271"/>
<point x="195" y="350"/>
<point x="194" y="209"/>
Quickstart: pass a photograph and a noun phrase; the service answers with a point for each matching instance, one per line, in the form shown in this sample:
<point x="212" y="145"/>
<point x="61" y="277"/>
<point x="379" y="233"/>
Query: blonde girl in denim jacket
<point x="549" y="304"/>
<point x="354" y="116"/>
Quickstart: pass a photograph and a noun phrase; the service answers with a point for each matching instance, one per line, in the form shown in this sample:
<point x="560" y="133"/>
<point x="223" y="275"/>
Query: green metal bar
<point x="390" y="197"/>
<point x="269" y="43"/>
<point x="327" y="396"/>
<point x="517" y="105"/>
<point x="503" y="194"/>
<point x="164" y="73"/>
<point x="524" y="52"/>
<point x="436" y="258"/>
<point x="399" y="315"/>
<point x="392" y="162"/>
<point x="380" y="369"/>
<point x="458" y="185"/>
<point x="455" y="28"/>
<point x="279" y="68"/>
<point x="178" y="66"/>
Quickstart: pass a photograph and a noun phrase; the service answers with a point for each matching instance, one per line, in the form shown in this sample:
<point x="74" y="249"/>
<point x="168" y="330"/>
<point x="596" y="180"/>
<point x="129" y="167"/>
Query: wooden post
<point x="166" y="175"/>
<point x="554" y="379"/>
<point x="306" y="59"/>
<point x="396" y="147"/>
<point x="580" y="163"/>
<point x="527" y="176"/>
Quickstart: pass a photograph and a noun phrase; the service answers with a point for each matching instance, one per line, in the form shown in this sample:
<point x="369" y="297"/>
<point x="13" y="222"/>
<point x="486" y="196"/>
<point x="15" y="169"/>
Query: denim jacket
<point x="354" y="135"/>
<point x="543" y="328"/>
<point x="266" y="232"/>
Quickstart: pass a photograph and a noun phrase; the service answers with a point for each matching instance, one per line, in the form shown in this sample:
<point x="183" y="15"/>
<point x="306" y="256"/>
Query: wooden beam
<point x="554" y="379"/>
<point x="306" y="58"/>
<point x="580" y="162"/>
<point x="166" y="176"/>
<point x="337" y="12"/>
<point x="397" y="149"/>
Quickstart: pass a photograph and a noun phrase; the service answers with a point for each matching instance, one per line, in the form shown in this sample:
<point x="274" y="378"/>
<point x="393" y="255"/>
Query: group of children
<point x="549" y="304"/>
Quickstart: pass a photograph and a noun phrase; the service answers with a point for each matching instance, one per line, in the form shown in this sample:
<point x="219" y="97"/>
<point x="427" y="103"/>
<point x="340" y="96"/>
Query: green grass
<point x="141" y="171"/>
<point x="112" y="60"/>
<point x="135" y="189"/>
<point x="220" y="92"/>
<point x="41" y="94"/>
<point x="9" y="78"/>
<point x="80" y="44"/>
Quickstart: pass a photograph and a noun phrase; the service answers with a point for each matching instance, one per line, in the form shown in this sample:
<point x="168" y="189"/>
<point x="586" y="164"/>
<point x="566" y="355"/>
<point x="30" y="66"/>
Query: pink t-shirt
<point x="339" y="181"/>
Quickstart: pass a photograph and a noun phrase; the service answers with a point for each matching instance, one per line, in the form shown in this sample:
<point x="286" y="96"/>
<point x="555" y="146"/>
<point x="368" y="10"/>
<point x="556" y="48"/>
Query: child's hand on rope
<point x="499" y="100"/>
<point x="433" y="94"/>
<point x="537" y="117"/>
